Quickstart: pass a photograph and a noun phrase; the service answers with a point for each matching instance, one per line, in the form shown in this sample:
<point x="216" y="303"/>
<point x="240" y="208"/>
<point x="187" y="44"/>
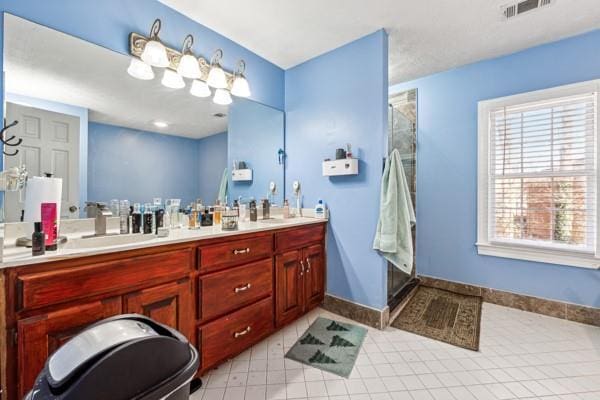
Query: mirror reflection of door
<point x="50" y="145"/>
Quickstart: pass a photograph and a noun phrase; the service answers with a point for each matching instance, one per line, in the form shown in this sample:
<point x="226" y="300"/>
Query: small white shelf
<point x="345" y="166"/>
<point x="241" y="175"/>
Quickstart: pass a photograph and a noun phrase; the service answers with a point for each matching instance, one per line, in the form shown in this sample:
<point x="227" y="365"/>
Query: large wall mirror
<point x="109" y="136"/>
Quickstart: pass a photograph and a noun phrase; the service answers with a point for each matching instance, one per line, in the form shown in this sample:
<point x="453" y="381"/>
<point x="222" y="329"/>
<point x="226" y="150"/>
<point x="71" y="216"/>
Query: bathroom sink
<point x="106" y="241"/>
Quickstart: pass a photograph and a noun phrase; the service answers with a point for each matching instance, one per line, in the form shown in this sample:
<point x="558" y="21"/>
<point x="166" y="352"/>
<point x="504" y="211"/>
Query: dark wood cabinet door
<point x="289" y="287"/>
<point x="168" y="304"/>
<point x="39" y="336"/>
<point x="314" y="275"/>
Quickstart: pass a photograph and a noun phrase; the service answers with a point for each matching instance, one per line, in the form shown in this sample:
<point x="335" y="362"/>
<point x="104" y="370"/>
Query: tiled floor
<point x="522" y="355"/>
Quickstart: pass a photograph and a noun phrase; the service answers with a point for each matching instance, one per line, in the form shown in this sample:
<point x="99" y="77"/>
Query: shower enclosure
<point x="402" y="135"/>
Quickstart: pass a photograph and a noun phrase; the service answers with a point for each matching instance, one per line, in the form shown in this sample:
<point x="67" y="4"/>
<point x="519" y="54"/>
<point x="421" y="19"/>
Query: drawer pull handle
<point x="241" y="251"/>
<point x="301" y="267"/>
<point x="242" y="288"/>
<point x="242" y="333"/>
<point x="308" y="264"/>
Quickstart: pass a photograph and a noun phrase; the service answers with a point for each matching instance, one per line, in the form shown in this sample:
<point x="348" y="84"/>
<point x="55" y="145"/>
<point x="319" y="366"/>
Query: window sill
<point x="573" y="259"/>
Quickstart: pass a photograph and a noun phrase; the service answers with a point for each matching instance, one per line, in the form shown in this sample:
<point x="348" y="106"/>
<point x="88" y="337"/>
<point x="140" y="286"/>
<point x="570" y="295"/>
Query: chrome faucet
<point x="100" y="212"/>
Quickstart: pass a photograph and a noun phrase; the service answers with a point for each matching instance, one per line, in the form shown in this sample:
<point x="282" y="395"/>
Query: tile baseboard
<point x="357" y="312"/>
<point x="552" y="308"/>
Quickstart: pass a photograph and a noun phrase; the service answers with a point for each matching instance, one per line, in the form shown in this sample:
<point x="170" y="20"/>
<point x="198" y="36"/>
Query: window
<point x="538" y="176"/>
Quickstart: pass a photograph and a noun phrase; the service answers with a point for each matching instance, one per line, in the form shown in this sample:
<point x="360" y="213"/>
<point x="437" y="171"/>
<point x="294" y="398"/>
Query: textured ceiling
<point x="426" y="36"/>
<point x="42" y="63"/>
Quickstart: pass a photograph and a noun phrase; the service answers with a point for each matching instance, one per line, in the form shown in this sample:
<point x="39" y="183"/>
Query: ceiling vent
<point x="512" y="10"/>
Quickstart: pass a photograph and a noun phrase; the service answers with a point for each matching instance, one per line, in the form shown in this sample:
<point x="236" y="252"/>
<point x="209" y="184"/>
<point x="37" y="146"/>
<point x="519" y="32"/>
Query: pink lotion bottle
<point x="49" y="225"/>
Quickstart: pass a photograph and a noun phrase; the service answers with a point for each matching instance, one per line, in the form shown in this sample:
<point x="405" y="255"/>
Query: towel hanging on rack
<point x="393" y="238"/>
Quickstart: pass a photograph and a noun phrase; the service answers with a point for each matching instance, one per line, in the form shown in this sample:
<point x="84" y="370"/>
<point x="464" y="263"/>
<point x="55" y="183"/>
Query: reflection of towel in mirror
<point x="222" y="197"/>
<point x="396" y="216"/>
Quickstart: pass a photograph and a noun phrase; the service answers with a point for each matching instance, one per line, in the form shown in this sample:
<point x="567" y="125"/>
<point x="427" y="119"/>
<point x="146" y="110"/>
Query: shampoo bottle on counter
<point x="136" y="219"/>
<point x="320" y="209"/>
<point x="49" y="225"/>
<point x="38" y="240"/>
<point x="148" y="219"/>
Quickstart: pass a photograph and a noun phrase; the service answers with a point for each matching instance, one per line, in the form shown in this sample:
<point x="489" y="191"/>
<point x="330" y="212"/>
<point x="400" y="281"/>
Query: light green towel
<point x="222" y="197"/>
<point x="396" y="216"/>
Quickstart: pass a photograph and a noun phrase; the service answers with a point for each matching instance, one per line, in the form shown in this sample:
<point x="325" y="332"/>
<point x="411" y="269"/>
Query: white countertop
<point x="18" y="256"/>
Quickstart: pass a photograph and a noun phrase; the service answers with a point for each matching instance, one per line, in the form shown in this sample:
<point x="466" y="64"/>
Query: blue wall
<point x="447" y="168"/>
<point x="212" y="160"/>
<point x="109" y="22"/>
<point x="120" y="159"/>
<point x="256" y="133"/>
<point x="338" y="98"/>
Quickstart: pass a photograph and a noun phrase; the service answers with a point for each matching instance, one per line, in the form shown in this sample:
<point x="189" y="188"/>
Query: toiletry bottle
<point x="320" y="209"/>
<point x="253" y="211"/>
<point x="148" y="219"/>
<point x="206" y="219"/>
<point x="266" y="209"/>
<point x="193" y="218"/>
<point x="159" y="218"/>
<point x="136" y="218"/>
<point x="124" y="217"/>
<point x="38" y="240"/>
<point x="49" y="225"/>
<point x="286" y="209"/>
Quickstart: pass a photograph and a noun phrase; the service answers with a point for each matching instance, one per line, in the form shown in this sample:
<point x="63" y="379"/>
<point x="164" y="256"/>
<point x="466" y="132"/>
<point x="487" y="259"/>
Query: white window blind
<point x="542" y="173"/>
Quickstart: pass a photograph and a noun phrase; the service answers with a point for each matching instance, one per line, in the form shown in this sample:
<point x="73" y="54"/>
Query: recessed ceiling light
<point x="160" y="124"/>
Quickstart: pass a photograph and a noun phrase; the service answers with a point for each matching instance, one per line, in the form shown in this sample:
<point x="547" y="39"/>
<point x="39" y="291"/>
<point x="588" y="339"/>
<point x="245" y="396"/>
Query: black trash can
<point x="128" y="357"/>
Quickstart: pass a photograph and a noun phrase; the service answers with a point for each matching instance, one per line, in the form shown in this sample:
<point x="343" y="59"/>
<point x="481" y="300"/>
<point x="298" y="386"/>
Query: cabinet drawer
<point x="51" y="287"/>
<point x="234" y="333"/>
<point x="299" y="237"/>
<point x="236" y="252"/>
<point x="225" y="291"/>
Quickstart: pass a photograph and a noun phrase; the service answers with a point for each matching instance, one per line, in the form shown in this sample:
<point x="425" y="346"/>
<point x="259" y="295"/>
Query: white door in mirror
<point x="345" y="166"/>
<point x="50" y="145"/>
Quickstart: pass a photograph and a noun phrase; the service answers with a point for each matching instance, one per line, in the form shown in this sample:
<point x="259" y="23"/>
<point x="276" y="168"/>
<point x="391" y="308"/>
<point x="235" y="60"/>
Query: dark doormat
<point x="329" y="345"/>
<point x="442" y="315"/>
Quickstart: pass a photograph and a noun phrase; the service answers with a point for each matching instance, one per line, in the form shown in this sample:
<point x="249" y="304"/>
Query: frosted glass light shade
<point x="172" y="79"/>
<point x="200" y="89"/>
<point x="155" y="54"/>
<point x="216" y="77"/>
<point x="240" y="87"/>
<point x="222" y="97"/>
<point x="140" y="70"/>
<point x="188" y="67"/>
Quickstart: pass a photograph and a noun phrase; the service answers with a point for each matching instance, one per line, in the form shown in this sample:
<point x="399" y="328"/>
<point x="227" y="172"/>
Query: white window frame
<point x="488" y="247"/>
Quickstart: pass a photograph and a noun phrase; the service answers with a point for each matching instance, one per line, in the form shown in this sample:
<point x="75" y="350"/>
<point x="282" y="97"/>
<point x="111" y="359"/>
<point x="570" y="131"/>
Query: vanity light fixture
<point x="161" y="124"/>
<point x="222" y="97"/>
<point x="200" y="89"/>
<point x="188" y="64"/>
<point x="155" y="53"/>
<point x="140" y="70"/>
<point x="172" y="80"/>
<point x="216" y="75"/>
<point x="240" y="87"/>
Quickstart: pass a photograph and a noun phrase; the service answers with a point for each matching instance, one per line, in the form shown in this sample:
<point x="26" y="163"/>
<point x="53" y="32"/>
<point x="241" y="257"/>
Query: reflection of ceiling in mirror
<point x="43" y="63"/>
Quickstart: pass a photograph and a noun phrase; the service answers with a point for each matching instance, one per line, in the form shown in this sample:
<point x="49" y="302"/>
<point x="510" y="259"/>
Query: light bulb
<point x="188" y="67"/>
<point x="172" y="79"/>
<point x="222" y="97"/>
<point x="140" y="70"/>
<point x="216" y="77"/>
<point x="155" y="54"/>
<point x="240" y="87"/>
<point x="200" y="89"/>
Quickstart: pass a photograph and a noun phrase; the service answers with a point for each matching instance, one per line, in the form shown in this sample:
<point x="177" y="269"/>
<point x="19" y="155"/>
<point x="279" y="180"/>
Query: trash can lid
<point x="91" y="343"/>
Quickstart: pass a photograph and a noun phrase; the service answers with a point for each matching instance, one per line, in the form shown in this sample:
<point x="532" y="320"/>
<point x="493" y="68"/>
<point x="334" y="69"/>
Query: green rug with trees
<point x="329" y="345"/>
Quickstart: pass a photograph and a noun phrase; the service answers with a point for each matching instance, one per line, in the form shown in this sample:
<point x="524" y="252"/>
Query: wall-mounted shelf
<point x="345" y="166"/>
<point x="241" y="175"/>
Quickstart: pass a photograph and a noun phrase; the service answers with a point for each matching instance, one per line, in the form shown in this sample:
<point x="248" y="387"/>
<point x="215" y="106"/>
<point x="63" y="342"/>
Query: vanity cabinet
<point x="300" y="282"/>
<point x="224" y="294"/>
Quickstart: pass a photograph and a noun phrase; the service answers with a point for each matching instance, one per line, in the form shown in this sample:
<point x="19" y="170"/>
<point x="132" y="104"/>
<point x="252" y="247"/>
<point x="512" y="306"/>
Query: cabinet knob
<point x="241" y="251"/>
<point x="242" y="288"/>
<point x="242" y="333"/>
